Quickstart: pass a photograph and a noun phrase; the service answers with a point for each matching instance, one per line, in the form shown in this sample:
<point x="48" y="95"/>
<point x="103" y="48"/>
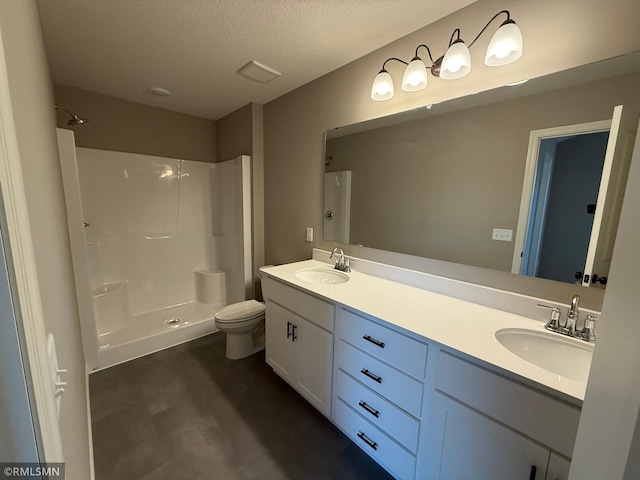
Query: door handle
<point x="597" y="279"/>
<point x="289" y="329"/>
<point x="293" y="332"/>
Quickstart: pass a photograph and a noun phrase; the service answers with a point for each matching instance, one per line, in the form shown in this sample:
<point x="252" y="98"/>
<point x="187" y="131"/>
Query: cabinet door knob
<point x="376" y="378"/>
<point x="377" y="343"/>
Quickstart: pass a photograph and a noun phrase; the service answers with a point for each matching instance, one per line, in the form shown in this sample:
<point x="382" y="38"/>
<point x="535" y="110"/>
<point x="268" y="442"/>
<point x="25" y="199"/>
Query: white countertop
<point x="463" y="326"/>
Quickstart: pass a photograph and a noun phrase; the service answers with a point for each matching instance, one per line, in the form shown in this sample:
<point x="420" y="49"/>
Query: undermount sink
<point x="564" y="356"/>
<point x="325" y="276"/>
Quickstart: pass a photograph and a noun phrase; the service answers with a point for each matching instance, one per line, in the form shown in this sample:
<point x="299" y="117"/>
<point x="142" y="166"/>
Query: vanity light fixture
<point x="505" y="47"/>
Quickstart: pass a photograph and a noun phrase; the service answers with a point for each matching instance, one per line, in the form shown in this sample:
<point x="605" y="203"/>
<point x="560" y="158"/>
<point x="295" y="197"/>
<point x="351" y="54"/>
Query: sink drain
<point x="173" y="320"/>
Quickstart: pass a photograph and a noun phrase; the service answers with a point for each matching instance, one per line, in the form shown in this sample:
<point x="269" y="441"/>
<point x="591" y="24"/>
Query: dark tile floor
<point x="190" y="413"/>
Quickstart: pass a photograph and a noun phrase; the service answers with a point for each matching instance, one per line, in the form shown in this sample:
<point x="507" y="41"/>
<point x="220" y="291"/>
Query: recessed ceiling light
<point x="258" y="72"/>
<point x="160" y="92"/>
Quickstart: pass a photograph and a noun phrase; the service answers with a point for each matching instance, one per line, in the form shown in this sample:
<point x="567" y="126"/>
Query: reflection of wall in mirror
<point x="437" y="187"/>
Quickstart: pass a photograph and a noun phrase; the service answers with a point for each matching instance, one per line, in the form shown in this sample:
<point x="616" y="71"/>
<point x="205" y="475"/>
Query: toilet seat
<point x="240" y="312"/>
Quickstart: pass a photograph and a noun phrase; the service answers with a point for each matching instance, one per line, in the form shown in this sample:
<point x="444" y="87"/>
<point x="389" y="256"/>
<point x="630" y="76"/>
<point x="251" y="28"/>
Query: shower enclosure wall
<point x="162" y="243"/>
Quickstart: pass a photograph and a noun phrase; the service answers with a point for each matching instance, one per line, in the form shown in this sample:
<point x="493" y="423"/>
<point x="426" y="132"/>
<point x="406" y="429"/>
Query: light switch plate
<point x="309" y="234"/>
<point x="502" y="234"/>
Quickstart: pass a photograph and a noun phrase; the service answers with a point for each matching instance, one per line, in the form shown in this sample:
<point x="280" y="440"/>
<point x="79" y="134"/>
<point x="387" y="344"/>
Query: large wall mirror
<point x="526" y="179"/>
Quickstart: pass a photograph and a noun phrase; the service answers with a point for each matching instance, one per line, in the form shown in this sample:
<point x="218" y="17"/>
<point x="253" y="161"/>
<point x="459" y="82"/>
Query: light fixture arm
<point x="428" y="50"/>
<point x="384" y="65"/>
<point x="489" y="23"/>
<point x="456" y="31"/>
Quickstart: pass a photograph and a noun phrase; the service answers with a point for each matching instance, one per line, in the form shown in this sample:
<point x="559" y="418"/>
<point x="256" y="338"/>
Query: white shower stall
<point x="159" y="246"/>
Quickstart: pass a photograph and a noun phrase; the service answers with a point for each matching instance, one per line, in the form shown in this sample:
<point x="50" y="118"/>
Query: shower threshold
<point x="151" y="331"/>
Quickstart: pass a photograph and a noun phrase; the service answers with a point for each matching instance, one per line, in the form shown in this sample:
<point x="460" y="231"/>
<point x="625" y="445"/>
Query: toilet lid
<point x="240" y="311"/>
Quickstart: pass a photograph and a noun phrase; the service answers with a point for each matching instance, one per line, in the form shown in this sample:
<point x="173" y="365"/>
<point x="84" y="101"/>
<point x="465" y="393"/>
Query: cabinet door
<point x="558" y="468"/>
<point x="314" y="364"/>
<point x="467" y="445"/>
<point x="278" y="345"/>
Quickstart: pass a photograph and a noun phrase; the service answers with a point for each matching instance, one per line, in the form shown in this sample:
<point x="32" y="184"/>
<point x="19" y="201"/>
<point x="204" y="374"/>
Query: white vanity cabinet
<point x="412" y="388"/>
<point x="379" y="386"/>
<point x="486" y="426"/>
<point x="299" y="341"/>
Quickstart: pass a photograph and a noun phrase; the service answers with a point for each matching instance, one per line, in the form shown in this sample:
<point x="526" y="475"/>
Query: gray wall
<point x="295" y="123"/>
<point x="607" y="441"/>
<point x="32" y="103"/>
<point x="437" y="187"/>
<point x="241" y="133"/>
<point x="125" y="126"/>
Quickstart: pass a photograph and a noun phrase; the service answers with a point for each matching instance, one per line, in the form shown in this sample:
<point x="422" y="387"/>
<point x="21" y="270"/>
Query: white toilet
<point x="243" y="322"/>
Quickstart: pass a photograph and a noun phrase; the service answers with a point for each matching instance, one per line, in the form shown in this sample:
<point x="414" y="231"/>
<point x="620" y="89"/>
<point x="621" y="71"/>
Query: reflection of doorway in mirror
<point x="337" y="204"/>
<point x="563" y="203"/>
<point x="570" y="190"/>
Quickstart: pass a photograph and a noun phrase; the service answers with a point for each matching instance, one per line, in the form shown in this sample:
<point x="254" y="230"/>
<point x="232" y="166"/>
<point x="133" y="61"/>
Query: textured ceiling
<point x="194" y="47"/>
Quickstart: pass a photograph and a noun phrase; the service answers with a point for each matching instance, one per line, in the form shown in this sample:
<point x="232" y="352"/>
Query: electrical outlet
<point x="502" y="234"/>
<point x="309" y="234"/>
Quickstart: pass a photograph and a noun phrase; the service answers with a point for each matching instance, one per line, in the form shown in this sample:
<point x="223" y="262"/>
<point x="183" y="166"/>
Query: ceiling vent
<point x="258" y="72"/>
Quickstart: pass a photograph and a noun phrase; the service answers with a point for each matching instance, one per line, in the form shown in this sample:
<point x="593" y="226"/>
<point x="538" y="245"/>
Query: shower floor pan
<point x="152" y="331"/>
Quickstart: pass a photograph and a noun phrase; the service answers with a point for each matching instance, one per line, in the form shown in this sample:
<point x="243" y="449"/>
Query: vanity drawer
<point x="403" y="352"/>
<point x="307" y="306"/>
<point x="383" y="414"/>
<point x="546" y="420"/>
<point x="377" y="444"/>
<point x="392" y="384"/>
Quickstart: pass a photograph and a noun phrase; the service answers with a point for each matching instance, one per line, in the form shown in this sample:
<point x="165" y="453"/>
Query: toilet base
<point x="241" y="346"/>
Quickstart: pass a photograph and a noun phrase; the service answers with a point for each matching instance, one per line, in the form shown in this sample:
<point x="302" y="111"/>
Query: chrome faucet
<point x="570" y="327"/>
<point x="572" y="316"/>
<point x="342" y="263"/>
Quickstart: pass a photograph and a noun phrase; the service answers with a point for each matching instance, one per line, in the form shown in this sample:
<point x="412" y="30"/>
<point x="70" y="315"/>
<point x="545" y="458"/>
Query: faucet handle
<point x="587" y="332"/>
<point x="554" y="321"/>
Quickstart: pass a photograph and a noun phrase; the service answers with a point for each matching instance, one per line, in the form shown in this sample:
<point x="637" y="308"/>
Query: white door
<point x="558" y="468"/>
<point x="278" y="344"/>
<point x="314" y="363"/>
<point x="337" y="205"/>
<point x="612" y="185"/>
<point x="467" y="445"/>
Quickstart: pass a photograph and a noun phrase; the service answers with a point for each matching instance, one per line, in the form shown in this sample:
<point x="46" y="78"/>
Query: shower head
<point x="75" y="119"/>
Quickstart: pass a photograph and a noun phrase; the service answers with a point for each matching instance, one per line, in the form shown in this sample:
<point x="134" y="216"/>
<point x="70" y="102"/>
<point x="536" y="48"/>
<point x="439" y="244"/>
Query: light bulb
<point x="382" y="88"/>
<point x="456" y="62"/>
<point x="415" y="76"/>
<point x="505" y="45"/>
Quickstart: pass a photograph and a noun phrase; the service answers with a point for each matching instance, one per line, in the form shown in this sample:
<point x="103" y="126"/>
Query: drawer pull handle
<point x="293" y="332"/>
<point x="376" y="378"/>
<point x="369" y="409"/>
<point x="377" y="343"/>
<point x="289" y="329"/>
<point x="367" y="440"/>
<point x="532" y="476"/>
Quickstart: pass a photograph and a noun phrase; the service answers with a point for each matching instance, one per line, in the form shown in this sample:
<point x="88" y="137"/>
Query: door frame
<point x="44" y="410"/>
<point x="533" y="152"/>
